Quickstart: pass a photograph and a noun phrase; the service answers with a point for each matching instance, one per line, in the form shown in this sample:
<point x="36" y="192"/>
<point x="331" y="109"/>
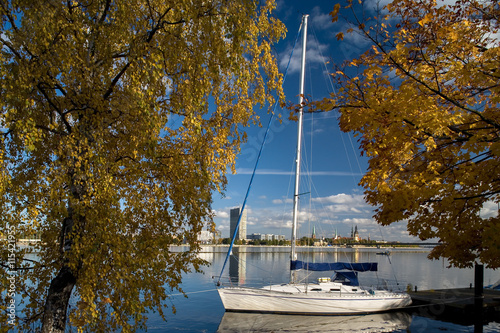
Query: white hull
<point x="292" y="299"/>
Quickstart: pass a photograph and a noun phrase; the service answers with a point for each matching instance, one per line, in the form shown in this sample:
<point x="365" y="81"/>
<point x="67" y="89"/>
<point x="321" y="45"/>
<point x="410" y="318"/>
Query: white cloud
<point x="374" y="5"/>
<point x="223" y="227"/>
<point x="354" y="40"/>
<point x="221" y="214"/>
<point x="359" y="221"/>
<point x="490" y="209"/>
<point x="342" y="198"/>
<point x="315" y="51"/>
<point x="320" y="20"/>
<point x="338" y="208"/>
<point x="285" y="10"/>
<point x="288" y="201"/>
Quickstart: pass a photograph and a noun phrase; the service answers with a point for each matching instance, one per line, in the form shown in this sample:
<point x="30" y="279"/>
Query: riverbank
<point x="223" y="248"/>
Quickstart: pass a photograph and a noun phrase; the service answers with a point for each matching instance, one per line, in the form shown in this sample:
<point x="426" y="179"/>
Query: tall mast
<point x="293" y="255"/>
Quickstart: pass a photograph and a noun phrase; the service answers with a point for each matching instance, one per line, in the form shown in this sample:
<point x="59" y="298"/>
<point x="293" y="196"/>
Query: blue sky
<point x="332" y="163"/>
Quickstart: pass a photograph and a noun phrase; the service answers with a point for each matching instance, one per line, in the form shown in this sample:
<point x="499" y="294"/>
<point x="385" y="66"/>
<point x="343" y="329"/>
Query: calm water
<point x="202" y="311"/>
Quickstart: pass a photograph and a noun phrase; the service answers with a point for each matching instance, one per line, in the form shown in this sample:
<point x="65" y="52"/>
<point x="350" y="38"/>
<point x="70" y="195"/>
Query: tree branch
<point x="482" y="195"/>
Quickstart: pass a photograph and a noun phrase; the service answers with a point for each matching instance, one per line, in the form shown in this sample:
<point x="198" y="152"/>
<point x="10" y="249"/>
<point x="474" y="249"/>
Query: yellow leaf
<point x="427" y="18"/>
<point x="335" y="12"/>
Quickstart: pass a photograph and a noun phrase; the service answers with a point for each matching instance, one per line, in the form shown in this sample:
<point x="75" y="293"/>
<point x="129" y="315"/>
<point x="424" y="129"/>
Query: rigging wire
<point x="392" y="269"/>
<point x="332" y="87"/>
<point x="309" y="162"/>
<point x="229" y="252"/>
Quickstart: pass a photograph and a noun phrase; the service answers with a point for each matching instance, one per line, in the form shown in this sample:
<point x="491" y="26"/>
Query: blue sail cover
<point x="334" y="266"/>
<point x="347" y="278"/>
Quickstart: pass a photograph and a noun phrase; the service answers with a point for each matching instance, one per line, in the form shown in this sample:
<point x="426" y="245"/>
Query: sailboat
<point x="340" y="294"/>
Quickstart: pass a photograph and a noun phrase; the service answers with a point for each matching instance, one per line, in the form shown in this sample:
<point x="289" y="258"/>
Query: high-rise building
<point x="242" y="230"/>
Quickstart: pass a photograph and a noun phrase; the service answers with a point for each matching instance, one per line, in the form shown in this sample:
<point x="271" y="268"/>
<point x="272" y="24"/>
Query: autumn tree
<point x="424" y="101"/>
<point x="119" y="120"/>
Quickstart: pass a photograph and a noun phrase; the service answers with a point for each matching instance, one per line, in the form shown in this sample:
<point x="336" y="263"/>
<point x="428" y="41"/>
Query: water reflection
<point x="202" y="311"/>
<point x="256" y="322"/>
<point x="256" y="268"/>
<point x="238" y="267"/>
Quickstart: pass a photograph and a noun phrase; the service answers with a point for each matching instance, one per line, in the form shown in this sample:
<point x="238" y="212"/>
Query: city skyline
<point x="244" y="234"/>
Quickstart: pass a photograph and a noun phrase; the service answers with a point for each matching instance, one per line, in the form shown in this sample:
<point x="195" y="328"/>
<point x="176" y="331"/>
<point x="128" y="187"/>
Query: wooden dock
<point x="456" y="304"/>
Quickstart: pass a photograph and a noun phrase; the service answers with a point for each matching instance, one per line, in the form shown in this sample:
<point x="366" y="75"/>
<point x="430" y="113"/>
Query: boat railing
<point x="389" y="285"/>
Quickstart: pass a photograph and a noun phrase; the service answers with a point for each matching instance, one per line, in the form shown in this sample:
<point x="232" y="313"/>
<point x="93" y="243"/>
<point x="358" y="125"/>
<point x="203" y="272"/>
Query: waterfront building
<point x="205" y="237"/>
<point x="267" y="237"/>
<point x="234" y="216"/>
<point x="254" y="236"/>
<point x="208" y="237"/>
<point x="279" y="237"/>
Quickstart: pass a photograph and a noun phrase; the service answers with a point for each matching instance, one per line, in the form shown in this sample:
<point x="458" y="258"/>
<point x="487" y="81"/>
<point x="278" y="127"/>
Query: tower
<point x="336" y="235"/>
<point x="242" y="230"/>
<point x="356" y="234"/>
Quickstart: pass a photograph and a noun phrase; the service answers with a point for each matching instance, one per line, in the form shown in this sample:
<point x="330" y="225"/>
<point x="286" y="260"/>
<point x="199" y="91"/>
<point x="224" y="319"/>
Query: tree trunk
<point x="56" y="304"/>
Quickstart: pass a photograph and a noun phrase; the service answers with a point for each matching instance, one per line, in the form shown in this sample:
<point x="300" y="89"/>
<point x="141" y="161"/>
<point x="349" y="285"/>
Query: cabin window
<point x="335" y="289"/>
<point x="354" y="289"/>
<point x="316" y="289"/>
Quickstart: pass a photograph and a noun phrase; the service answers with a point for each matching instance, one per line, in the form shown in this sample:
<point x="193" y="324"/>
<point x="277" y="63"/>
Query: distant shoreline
<point x="216" y="248"/>
<point x="301" y="249"/>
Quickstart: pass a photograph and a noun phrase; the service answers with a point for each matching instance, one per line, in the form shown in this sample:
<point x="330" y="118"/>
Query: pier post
<point x="478" y="297"/>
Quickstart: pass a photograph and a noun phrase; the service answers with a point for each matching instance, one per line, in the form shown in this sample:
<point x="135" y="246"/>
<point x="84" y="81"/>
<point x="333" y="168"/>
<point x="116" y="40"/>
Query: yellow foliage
<point x="426" y="109"/>
<point x="118" y="122"/>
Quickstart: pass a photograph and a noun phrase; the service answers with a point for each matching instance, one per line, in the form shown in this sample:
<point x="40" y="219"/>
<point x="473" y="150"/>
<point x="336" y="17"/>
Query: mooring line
<point x="194" y="292"/>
